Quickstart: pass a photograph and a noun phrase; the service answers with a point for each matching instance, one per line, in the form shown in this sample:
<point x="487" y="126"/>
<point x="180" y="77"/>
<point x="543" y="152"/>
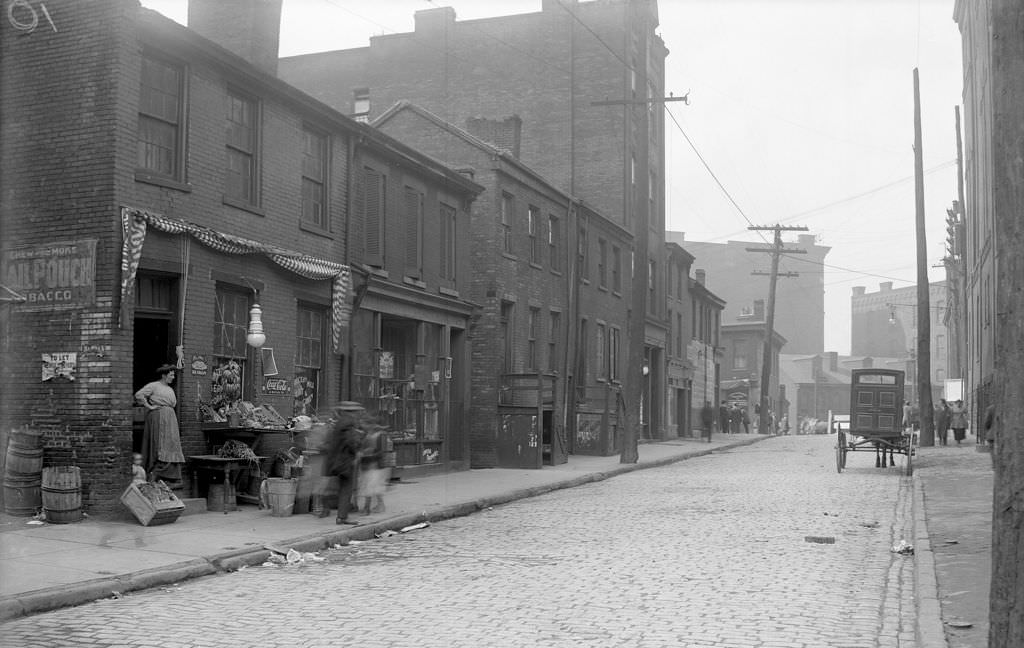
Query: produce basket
<point x="152" y="503"/>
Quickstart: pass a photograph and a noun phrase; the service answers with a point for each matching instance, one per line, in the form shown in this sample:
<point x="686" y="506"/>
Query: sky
<point x="801" y="112"/>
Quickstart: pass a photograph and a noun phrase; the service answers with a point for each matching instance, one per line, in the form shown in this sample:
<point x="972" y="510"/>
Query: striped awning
<point x="136" y="221"/>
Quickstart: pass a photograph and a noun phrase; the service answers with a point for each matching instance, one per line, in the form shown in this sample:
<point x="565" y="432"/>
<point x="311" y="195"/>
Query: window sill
<point x="162" y="181"/>
<point x="448" y="291"/>
<point x="244" y="206"/>
<point x="536" y="265"/>
<point x="557" y="273"/>
<point x="603" y="288"/>
<point x="316" y="231"/>
<point x="410" y="281"/>
<point x="510" y="256"/>
<point x="617" y="293"/>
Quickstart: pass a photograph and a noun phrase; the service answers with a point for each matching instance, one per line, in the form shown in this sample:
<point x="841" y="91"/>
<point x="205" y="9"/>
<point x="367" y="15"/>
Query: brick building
<point x="533" y="79"/>
<point x="799" y="301"/>
<point x="548" y="271"/>
<point x="156" y="186"/>
<point x="743" y="357"/>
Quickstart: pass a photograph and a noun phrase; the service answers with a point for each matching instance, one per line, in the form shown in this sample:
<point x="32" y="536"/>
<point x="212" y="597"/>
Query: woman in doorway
<point x="161" y="442"/>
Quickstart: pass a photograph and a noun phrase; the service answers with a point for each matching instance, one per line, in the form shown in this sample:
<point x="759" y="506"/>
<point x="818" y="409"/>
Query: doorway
<point x="153" y="340"/>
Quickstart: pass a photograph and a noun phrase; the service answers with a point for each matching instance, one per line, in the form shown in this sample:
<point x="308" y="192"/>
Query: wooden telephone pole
<point x="776" y="250"/>
<point x="924" y="330"/>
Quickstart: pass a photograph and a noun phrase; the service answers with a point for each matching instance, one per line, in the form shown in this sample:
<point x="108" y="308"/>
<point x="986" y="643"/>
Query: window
<point x="413" y="232"/>
<point x="602" y="263"/>
<point x="531" y="340"/>
<point x="554" y="243"/>
<point x="230" y="321"/>
<point x="679" y="336"/>
<point x="739" y="354"/>
<point x="374" y="184"/>
<point x="613" y="353"/>
<point x="616" y="269"/>
<point x="314" y="179"/>
<point x="507" y="312"/>
<point x="652" y="283"/>
<point x="582" y="267"/>
<point x="241" y="175"/>
<point x="361" y="105"/>
<point x="553" y="339"/>
<point x="508" y="207"/>
<point x="309" y="360"/>
<point x="533" y="215"/>
<point x="161" y="115"/>
<point x="599" y="349"/>
<point x="448" y="225"/>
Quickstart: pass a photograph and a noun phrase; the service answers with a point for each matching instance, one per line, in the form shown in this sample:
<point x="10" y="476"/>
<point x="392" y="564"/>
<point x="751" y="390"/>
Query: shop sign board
<point x="52" y="276"/>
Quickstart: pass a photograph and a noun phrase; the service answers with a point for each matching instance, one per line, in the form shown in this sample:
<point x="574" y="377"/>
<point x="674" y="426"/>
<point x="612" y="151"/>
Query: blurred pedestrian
<point x="906" y="415"/>
<point x="735" y="418"/>
<point x="342" y="450"/>
<point x="161" y="442"/>
<point x="707" y="419"/>
<point x="374" y="475"/>
<point x="746" y="421"/>
<point x="958" y="420"/>
<point x="942" y="416"/>
<point x="723" y="417"/>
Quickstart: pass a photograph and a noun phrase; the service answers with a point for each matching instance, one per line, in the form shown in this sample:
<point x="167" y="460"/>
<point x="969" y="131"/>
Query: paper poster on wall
<point x="199" y="366"/>
<point x="59" y="366"/>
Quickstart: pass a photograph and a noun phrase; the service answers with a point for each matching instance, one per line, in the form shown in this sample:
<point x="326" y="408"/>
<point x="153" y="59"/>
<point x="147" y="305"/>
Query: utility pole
<point x="924" y="320"/>
<point x="776" y="250"/>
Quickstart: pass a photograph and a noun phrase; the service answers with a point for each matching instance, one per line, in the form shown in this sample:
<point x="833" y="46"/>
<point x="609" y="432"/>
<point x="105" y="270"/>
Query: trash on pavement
<point x="413" y="527"/>
<point x="903" y="547"/>
<point x="959" y="624"/>
<point x="386" y="534"/>
<point x="293" y="557"/>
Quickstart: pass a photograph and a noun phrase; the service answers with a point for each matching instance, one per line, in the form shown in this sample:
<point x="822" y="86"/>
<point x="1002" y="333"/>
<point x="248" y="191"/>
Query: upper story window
<point x="361" y="105"/>
<point x="241" y="142"/>
<point x="602" y="263"/>
<point x="533" y="215"/>
<point x="616" y="269"/>
<point x="554" y="242"/>
<point x="413" y="232"/>
<point x="614" y="349"/>
<point x="448" y="225"/>
<point x="531" y="339"/>
<point x="314" y="178"/>
<point x="652" y="287"/>
<point x="374" y="194"/>
<point x="161" y="141"/>
<point x="554" y="336"/>
<point x="582" y="267"/>
<point x="508" y="208"/>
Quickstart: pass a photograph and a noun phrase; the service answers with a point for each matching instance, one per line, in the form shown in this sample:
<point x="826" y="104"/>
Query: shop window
<point x="160" y="138"/>
<point x="230" y="321"/>
<point x="241" y="173"/>
<point x="309" y="360"/>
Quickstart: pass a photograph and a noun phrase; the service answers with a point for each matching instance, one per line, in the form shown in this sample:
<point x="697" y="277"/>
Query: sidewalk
<point x="44" y="567"/>
<point x="953" y="548"/>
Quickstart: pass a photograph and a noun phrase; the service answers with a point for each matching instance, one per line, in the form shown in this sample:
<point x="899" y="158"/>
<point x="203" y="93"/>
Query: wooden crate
<point x="148" y="512"/>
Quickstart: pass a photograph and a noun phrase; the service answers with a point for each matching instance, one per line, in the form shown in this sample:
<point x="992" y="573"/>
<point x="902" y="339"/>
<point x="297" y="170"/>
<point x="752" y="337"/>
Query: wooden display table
<point x="214" y="463"/>
<point x="217" y="433"/>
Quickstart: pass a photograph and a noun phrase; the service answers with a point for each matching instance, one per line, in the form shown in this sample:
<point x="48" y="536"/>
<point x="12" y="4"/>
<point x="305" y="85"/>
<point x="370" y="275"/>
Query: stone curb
<point x="930" y="631"/>
<point x="54" y="598"/>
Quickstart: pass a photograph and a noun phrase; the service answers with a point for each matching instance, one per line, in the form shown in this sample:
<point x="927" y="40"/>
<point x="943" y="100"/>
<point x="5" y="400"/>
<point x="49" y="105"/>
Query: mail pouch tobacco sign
<point x="52" y="276"/>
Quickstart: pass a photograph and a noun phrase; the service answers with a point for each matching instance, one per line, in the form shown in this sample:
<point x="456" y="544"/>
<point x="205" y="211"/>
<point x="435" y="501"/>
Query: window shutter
<point x="413" y="218"/>
<point x="373" y="216"/>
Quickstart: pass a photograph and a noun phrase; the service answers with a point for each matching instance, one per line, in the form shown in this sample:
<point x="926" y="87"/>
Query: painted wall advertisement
<point x="52" y="276"/>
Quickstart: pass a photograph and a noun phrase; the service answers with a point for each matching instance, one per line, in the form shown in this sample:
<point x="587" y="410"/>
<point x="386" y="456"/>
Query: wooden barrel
<point x="22" y="495"/>
<point x="24" y="454"/>
<point x="62" y="494"/>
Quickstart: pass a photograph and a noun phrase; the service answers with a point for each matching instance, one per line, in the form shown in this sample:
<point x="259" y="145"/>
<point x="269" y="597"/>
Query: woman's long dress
<point x="161" y="441"/>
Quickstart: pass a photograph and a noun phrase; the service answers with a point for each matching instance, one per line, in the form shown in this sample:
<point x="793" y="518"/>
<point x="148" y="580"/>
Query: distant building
<point x="799" y="301"/>
<point x="742" y="359"/>
<point x="885" y="324"/>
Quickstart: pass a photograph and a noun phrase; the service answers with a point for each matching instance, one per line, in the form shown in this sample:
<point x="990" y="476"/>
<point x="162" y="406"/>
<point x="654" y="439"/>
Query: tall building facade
<point x="799" y="301"/>
<point x="539" y="85"/>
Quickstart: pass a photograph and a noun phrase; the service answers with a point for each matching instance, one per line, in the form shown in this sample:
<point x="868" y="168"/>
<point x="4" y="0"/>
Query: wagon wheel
<point x="840" y="451"/>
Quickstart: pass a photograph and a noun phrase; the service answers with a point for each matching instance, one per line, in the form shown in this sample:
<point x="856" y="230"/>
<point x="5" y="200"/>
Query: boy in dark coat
<point x="342" y="452"/>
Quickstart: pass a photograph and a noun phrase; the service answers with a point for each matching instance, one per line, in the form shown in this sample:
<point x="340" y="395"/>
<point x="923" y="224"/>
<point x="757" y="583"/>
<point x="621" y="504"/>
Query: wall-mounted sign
<point x="199" y="365"/>
<point x="276" y="387"/>
<point x="52" y="276"/>
<point x="59" y="365"/>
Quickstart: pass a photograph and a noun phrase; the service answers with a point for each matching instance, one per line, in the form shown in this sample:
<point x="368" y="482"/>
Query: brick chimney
<point x="698" y="276"/>
<point x="858" y="291"/>
<point x="505" y="134"/>
<point x="759" y="310"/>
<point x="434" y="22"/>
<point x="249" y="28"/>
<point x="833" y="360"/>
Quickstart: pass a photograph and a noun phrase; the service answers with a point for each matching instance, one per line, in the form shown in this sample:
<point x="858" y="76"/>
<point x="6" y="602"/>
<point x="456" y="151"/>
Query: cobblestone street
<point x="730" y="550"/>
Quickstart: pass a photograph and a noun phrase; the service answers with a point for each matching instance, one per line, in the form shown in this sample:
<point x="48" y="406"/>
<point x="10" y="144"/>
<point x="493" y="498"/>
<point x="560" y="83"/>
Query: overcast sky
<point x="802" y="110"/>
